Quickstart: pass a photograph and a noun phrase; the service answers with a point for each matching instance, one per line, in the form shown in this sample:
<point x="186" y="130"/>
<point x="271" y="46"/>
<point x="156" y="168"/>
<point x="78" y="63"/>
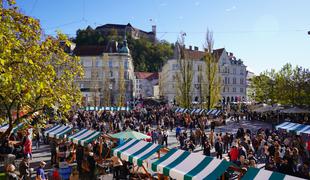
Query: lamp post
<point x="111" y="96"/>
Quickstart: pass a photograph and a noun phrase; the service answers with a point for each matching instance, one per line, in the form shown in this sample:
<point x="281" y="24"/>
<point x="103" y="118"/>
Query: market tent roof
<point x="135" y="151"/>
<point x="4" y="127"/>
<point x="57" y="131"/>
<point x="84" y="137"/>
<point x="258" y="174"/>
<point x="179" y="164"/>
<point x="130" y="135"/>
<point x="295" y="110"/>
<point x="214" y="112"/>
<point x="295" y="127"/>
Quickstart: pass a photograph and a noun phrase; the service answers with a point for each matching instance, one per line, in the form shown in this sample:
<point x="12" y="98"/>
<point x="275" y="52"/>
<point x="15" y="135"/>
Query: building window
<point x="111" y="73"/>
<point x="224" y="89"/>
<point x="81" y="85"/>
<point x="241" y="81"/>
<point x="241" y="71"/>
<point x="227" y="89"/>
<point x="234" y="80"/>
<point x="241" y="90"/>
<point x="199" y="79"/>
<point x="234" y="89"/>
<point x="228" y="80"/>
<point x="225" y="80"/>
<point x="110" y="64"/>
<point x="234" y="71"/>
<point x="98" y="63"/>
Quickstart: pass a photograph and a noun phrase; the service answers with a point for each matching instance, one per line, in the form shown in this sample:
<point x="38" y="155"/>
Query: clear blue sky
<point x="264" y="33"/>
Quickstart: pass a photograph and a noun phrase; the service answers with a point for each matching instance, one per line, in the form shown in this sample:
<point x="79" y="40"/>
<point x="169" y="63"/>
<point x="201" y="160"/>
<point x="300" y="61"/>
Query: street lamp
<point x="111" y="96"/>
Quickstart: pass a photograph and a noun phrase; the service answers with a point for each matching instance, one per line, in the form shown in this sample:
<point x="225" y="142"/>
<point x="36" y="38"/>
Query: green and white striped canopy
<point x="135" y="151"/>
<point x="4" y="127"/>
<point x="183" y="165"/>
<point x="57" y="131"/>
<point x="84" y="137"/>
<point x="261" y="174"/>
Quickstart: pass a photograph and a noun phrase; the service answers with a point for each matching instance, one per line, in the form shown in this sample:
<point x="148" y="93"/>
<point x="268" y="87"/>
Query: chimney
<point x="190" y="48"/>
<point x="196" y="48"/>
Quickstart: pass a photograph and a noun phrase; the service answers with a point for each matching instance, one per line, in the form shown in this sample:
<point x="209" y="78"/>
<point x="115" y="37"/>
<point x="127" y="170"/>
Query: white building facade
<point x="233" y="77"/>
<point x="98" y="67"/>
<point x="145" y="82"/>
<point x="231" y="71"/>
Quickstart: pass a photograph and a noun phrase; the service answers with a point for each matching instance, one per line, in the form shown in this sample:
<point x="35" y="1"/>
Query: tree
<point x="213" y="84"/>
<point x="34" y="73"/>
<point x="184" y="76"/>
<point x="106" y="86"/>
<point x="121" y="85"/>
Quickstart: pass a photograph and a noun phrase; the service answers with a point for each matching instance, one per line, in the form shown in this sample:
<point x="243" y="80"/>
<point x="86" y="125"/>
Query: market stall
<point x="4" y="127"/>
<point x="84" y="137"/>
<point x="258" y="174"/>
<point x="137" y="152"/>
<point x="180" y="164"/>
<point x="294" y="127"/>
<point x="129" y="135"/>
<point x="58" y="131"/>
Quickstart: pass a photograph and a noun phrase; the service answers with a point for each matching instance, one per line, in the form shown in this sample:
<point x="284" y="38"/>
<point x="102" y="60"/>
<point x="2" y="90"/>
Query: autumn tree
<point x="106" y="83"/>
<point x="184" y="76"/>
<point x="212" y="85"/>
<point x="35" y="72"/>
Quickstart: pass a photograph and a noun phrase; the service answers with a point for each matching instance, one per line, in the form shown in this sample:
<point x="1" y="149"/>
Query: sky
<point x="265" y="34"/>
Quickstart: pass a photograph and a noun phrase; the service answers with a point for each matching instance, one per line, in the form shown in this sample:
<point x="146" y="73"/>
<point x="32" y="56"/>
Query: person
<point x="24" y="168"/>
<point x="10" y="174"/>
<point x="219" y="148"/>
<point x="91" y="165"/>
<point x="37" y="139"/>
<point x="165" y="137"/>
<point x="79" y="157"/>
<point x="55" y="174"/>
<point x="117" y="163"/>
<point x="53" y="147"/>
<point x="233" y="154"/>
<point x="207" y="149"/>
<point x="40" y="172"/>
<point x="28" y="146"/>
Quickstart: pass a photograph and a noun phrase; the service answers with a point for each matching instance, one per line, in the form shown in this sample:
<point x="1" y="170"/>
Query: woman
<point x="10" y="175"/>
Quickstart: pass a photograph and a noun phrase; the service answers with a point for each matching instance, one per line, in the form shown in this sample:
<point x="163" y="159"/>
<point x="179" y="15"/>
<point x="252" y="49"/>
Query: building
<point x="233" y="76"/>
<point x="168" y="80"/>
<point x="145" y="82"/>
<point x="231" y="71"/>
<point x="108" y="72"/>
<point x="129" y="29"/>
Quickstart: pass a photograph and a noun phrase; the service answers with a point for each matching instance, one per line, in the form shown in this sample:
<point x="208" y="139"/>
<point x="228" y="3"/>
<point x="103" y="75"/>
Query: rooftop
<point x="147" y="75"/>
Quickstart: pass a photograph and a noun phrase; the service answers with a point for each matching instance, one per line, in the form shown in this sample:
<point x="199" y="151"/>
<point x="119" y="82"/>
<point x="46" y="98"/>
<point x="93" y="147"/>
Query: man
<point x="40" y="172"/>
<point x="53" y="146"/>
<point x="24" y="169"/>
<point x="10" y="175"/>
<point x="219" y="148"/>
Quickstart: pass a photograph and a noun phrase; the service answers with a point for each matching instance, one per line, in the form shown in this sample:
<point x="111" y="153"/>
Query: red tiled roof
<point x="147" y="75"/>
<point x="193" y="54"/>
<point x="89" y="50"/>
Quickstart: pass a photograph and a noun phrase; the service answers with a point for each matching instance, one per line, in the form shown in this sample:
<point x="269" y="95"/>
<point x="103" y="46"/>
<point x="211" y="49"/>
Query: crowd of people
<point x="274" y="150"/>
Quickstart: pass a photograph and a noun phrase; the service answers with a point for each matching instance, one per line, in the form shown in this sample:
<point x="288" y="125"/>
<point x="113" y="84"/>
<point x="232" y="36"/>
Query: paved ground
<point x="43" y="153"/>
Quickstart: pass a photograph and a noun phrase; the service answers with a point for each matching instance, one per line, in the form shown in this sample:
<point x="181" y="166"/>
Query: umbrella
<point x="130" y="135"/>
<point x="295" y="110"/>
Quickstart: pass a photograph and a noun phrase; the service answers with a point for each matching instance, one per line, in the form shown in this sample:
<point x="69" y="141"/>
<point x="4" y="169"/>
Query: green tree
<point x="212" y="85"/>
<point x="184" y="76"/>
<point x="34" y="73"/>
<point x="121" y="85"/>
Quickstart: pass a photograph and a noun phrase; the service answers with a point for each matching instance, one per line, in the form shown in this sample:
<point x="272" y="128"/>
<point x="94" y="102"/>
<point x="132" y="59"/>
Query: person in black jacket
<point x="219" y="148"/>
<point x="92" y="165"/>
<point x="207" y="148"/>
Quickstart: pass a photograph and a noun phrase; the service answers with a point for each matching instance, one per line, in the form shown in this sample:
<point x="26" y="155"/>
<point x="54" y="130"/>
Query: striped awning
<point x="135" y="151"/>
<point x="57" y="131"/>
<point x="193" y="111"/>
<point x="4" y="127"/>
<point x="84" y="137"/>
<point x="214" y="112"/>
<point x="179" y="164"/>
<point x="295" y="127"/>
<point x="258" y="174"/>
